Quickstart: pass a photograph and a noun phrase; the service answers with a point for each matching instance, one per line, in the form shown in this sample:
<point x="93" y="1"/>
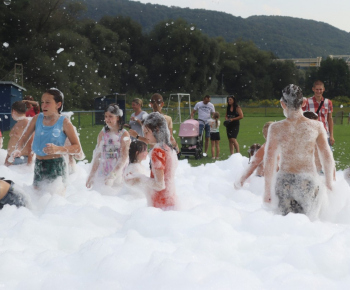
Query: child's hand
<point x="14" y="154"/>
<point x="238" y="184"/>
<point x="133" y="133"/>
<point x="89" y="182"/>
<point x="53" y="149"/>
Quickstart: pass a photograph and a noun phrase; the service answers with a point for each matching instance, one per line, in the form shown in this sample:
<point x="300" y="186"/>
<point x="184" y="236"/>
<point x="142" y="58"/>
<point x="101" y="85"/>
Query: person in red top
<point x="161" y="183"/>
<point x="32" y="106"/>
<point x="324" y="112"/>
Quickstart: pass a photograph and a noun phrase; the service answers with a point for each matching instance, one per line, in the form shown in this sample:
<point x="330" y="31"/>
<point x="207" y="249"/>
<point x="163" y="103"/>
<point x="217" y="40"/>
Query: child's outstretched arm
<point x="95" y="161"/>
<point x="123" y="158"/>
<point x="270" y="161"/>
<point x="257" y="159"/>
<point x="326" y="157"/>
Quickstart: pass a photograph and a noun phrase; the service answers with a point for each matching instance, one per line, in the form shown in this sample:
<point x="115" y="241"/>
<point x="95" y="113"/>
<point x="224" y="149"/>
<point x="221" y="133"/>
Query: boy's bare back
<point x="15" y="134"/>
<point x="295" y="140"/>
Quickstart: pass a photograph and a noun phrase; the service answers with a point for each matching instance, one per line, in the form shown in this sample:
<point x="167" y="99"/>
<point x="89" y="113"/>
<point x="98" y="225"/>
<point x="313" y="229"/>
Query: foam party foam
<point x="220" y="238"/>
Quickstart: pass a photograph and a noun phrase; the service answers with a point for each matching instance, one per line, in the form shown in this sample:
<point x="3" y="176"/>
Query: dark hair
<point x="252" y="149"/>
<point x="310" y="115"/>
<point x="292" y="96"/>
<point x="115" y="110"/>
<point x="235" y="105"/>
<point x="136" y="146"/>
<point x="206" y="97"/>
<point x="157" y="124"/>
<point x="57" y="96"/>
<point x="19" y="107"/>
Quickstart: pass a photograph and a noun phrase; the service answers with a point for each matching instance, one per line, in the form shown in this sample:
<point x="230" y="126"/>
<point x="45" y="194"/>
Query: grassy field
<point x="250" y="133"/>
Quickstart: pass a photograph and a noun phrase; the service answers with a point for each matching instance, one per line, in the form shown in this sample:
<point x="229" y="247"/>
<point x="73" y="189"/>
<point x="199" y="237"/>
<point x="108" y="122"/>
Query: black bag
<point x="226" y="123"/>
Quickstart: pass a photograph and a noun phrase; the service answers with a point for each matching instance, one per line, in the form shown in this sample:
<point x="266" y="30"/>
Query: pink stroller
<point x="191" y="139"/>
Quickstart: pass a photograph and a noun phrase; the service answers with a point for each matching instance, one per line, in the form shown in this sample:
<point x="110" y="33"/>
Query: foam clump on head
<point x="292" y="96"/>
<point x="114" y="109"/>
<point x="157" y="124"/>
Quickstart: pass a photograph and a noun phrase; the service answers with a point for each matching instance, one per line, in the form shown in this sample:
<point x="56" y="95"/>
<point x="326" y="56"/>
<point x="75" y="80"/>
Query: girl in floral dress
<point x="111" y="154"/>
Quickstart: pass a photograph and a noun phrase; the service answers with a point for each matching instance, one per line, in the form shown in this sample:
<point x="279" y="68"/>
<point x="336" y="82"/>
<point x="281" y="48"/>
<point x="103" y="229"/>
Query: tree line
<point x="87" y="58"/>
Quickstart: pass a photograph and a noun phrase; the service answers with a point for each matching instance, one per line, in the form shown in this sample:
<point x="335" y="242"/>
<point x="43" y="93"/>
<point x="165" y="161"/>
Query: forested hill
<point x="285" y="36"/>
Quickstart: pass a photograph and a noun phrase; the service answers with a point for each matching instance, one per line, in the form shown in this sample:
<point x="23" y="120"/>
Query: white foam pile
<point x="220" y="238"/>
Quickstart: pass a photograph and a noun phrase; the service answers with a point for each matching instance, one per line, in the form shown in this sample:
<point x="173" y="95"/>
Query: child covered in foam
<point x="111" y="154"/>
<point x="51" y="131"/>
<point x="296" y="186"/>
<point x="10" y="194"/>
<point x="137" y="153"/>
<point x="161" y="183"/>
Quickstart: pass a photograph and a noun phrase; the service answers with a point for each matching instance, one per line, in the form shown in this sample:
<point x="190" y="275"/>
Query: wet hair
<point x="266" y="128"/>
<point x="310" y="115"/>
<point x="252" y="149"/>
<point x="292" y="96"/>
<point x="318" y="83"/>
<point x="57" y="96"/>
<point x="19" y="107"/>
<point x="216" y="116"/>
<point x="136" y="146"/>
<point x="157" y="124"/>
<point x="115" y="110"/>
<point x="137" y="101"/>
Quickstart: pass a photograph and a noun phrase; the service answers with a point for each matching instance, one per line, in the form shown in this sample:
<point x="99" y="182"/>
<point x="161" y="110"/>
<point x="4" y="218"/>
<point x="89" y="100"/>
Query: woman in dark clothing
<point x="233" y="115"/>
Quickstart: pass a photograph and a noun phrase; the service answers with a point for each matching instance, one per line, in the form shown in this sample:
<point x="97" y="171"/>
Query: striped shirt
<point x="327" y="107"/>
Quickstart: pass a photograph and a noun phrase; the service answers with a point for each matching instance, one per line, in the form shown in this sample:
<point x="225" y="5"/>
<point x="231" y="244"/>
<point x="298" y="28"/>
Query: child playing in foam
<point x="163" y="163"/>
<point x="296" y="185"/>
<point x="111" y="154"/>
<point x="18" y="114"/>
<point x="51" y="130"/>
<point x="257" y="162"/>
<point x="137" y="153"/>
<point x="11" y="194"/>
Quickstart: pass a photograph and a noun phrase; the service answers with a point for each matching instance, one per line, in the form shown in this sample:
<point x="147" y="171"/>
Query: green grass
<point x="250" y="133"/>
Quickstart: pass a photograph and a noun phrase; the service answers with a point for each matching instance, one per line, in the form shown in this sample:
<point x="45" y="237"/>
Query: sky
<point x="333" y="12"/>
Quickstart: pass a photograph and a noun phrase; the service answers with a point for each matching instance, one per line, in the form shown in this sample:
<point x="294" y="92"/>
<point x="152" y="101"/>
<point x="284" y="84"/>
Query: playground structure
<point x="178" y="98"/>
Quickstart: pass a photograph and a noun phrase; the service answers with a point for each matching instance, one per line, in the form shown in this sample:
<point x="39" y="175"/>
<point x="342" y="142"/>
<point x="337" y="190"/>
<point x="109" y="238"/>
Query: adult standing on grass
<point x="234" y="113"/>
<point x="205" y="109"/>
<point x="323" y="108"/>
<point x="136" y="118"/>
